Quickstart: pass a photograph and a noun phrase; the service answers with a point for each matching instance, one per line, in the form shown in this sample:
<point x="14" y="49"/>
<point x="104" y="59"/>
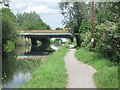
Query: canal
<point x="18" y="65"/>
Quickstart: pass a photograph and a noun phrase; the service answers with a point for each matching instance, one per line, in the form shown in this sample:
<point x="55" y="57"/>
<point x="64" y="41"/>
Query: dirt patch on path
<point x="79" y="74"/>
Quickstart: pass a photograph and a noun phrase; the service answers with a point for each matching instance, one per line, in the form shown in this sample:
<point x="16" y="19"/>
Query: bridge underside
<point x="49" y="36"/>
<point x="45" y="42"/>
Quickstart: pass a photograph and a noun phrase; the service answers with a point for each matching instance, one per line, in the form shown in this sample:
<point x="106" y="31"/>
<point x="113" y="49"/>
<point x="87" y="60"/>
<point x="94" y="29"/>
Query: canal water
<point x="18" y="65"/>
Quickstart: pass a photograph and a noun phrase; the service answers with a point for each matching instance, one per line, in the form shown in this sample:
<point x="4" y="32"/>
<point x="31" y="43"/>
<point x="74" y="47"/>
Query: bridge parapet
<point x="45" y="34"/>
<point x="43" y="31"/>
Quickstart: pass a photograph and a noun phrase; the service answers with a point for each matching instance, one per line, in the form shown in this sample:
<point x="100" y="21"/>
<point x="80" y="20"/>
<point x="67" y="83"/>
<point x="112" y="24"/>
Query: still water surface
<point x="17" y="66"/>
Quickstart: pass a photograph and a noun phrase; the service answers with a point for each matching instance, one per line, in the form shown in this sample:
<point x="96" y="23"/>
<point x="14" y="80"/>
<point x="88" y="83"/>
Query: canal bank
<point x="18" y="65"/>
<point x="51" y="73"/>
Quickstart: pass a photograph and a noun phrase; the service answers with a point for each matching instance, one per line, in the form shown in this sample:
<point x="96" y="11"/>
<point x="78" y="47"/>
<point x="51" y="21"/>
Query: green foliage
<point x="74" y="14"/>
<point x="106" y="31"/>
<point x="86" y="37"/>
<point x="101" y="17"/>
<point x="31" y="21"/>
<point x="67" y="45"/>
<point x="8" y="26"/>
<point x="107" y="72"/>
<point x="85" y="30"/>
<point x="51" y="74"/>
<point x="85" y="27"/>
<point x="9" y="46"/>
<point x="106" y="36"/>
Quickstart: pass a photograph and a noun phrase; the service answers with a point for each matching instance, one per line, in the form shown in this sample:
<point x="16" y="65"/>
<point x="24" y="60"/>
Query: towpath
<point x="80" y="75"/>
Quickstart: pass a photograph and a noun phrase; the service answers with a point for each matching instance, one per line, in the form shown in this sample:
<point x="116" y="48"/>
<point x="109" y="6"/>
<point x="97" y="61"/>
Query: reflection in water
<point x="34" y="53"/>
<point x="18" y="79"/>
<point x="30" y="57"/>
<point x="16" y="72"/>
<point x="22" y="50"/>
<point x="18" y="65"/>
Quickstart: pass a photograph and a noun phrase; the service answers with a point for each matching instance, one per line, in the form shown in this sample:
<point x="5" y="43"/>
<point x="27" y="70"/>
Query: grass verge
<point x="51" y="74"/>
<point x="107" y="72"/>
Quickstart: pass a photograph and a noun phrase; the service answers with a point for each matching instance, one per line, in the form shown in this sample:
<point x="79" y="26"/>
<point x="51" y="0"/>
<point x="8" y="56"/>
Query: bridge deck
<point x="44" y="31"/>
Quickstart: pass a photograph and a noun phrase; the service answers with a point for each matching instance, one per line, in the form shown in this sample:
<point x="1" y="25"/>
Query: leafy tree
<point x="74" y="14"/>
<point x="30" y="21"/>
<point x="106" y="30"/>
<point x="5" y="2"/>
<point x="8" y="26"/>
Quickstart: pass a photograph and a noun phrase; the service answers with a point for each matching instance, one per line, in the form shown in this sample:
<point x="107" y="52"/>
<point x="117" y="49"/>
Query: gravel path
<point x="79" y="74"/>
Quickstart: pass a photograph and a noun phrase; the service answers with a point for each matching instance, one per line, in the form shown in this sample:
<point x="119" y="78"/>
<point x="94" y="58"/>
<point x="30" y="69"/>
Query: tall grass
<point x="51" y="74"/>
<point x="107" y="72"/>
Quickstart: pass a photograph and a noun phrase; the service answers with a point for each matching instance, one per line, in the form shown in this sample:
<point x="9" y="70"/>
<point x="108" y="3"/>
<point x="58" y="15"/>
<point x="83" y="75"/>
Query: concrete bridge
<point x="45" y="34"/>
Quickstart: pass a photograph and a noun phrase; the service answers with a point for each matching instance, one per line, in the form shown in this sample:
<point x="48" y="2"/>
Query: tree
<point x="31" y="21"/>
<point x="5" y="2"/>
<point x="74" y="14"/>
<point x="107" y="30"/>
<point x="8" y="26"/>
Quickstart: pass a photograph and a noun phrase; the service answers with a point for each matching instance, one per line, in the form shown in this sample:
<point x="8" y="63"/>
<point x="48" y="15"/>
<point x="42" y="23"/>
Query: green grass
<point x="51" y="74"/>
<point x="107" y="72"/>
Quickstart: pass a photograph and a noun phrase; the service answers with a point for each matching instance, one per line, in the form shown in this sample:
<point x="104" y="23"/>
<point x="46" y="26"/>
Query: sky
<point x="48" y="10"/>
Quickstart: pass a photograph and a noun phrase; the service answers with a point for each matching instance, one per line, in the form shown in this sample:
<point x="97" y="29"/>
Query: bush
<point x="51" y="73"/>
<point x="9" y="46"/>
<point x="106" y="38"/>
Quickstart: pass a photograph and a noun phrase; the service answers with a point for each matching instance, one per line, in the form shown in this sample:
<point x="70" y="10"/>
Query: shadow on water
<point x="18" y="65"/>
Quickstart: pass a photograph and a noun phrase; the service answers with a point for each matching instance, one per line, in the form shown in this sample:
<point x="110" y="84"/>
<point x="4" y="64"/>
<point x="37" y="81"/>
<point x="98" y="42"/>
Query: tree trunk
<point x="78" y="41"/>
<point x="78" y="38"/>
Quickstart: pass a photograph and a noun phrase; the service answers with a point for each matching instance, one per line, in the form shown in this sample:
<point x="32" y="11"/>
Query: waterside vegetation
<point x="52" y="72"/>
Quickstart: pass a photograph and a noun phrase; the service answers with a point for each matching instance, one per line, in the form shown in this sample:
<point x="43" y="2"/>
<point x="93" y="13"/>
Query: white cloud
<point x="48" y="11"/>
<point x="35" y="1"/>
<point x="40" y="9"/>
<point x="53" y="20"/>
